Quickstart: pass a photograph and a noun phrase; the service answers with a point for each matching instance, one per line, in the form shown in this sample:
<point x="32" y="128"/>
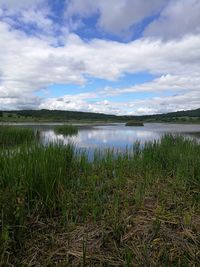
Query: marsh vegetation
<point x="138" y="208"/>
<point x="13" y="136"/>
<point x="66" y="129"/>
<point x="135" y="123"/>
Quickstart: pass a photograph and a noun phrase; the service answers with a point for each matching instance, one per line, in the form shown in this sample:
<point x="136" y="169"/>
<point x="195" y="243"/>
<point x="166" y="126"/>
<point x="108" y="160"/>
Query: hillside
<point x="58" y="115"/>
<point x="179" y="116"/>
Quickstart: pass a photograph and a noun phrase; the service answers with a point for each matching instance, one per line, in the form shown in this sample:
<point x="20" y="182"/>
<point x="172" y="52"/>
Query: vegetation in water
<point x="10" y="136"/>
<point x="66" y="129"/>
<point x="140" y="208"/>
<point x="134" y="123"/>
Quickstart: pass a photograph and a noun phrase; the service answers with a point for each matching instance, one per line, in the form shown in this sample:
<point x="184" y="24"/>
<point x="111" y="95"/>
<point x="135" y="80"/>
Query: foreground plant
<point x="140" y="208"/>
<point x="12" y="136"/>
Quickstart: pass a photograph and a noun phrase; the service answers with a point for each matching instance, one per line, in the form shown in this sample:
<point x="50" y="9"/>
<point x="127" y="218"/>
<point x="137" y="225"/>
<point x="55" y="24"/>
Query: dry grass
<point x="148" y="237"/>
<point x="140" y="209"/>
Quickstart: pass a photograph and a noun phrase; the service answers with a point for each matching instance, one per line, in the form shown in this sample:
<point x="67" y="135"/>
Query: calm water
<point x="117" y="136"/>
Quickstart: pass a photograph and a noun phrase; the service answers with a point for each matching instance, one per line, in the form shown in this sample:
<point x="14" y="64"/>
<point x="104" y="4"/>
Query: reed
<point x="66" y="130"/>
<point x="140" y="208"/>
<point x="134" y="123"/>
<point x="11" y="136"/>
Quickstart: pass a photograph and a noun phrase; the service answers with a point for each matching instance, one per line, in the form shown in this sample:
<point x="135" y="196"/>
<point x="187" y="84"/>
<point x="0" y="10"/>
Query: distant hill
<point x="59" y="115"/>
<point x="188" y="115"/>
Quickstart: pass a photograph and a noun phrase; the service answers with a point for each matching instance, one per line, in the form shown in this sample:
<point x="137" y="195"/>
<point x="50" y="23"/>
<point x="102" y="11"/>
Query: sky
<point x="122" y="57"/>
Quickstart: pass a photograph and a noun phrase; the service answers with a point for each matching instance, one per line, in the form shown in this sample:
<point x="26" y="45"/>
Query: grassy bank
<point x="12" y="136"/>
<point x="140" y="209"/>
<point x="66" y="129"/>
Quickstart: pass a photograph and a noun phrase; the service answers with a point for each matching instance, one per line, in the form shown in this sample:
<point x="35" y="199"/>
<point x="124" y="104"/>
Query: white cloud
<point x="186" y="101"/>
<point x="23" y="102"/>
<point x="38" y="18"/>
<point x="165" y="83"/>
<point x="29" y="64"/>
<point x="81" y="102"/>
<point x="115" y="16"/>
<point x="34" y="20"/>
<point x="154" y="105"/>
<point x="13" y="4"/>
<point x="174" y="18"/>
<point x="180" y="17"/>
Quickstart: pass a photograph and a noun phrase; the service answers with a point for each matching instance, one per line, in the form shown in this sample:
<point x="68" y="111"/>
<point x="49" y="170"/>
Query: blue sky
<point x="116" y="57"/>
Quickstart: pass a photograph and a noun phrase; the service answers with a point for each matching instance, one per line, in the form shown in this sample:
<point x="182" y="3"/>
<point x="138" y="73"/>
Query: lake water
<point x="117" y="136"/>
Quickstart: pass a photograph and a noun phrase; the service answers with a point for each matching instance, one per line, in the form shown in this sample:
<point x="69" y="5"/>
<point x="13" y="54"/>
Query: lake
<point x="117" y="136"/>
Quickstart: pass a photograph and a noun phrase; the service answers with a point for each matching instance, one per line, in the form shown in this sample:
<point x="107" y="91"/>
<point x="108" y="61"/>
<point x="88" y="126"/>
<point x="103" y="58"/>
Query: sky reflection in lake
<point x="118" y="136"/>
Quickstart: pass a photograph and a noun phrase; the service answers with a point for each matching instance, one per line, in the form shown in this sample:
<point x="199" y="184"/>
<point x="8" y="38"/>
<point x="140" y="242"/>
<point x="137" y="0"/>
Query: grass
<point x="134" y="123"/>
<point x="66" y="130"/>
<point x="10" y="136"/>
<point x="141" y="208"/>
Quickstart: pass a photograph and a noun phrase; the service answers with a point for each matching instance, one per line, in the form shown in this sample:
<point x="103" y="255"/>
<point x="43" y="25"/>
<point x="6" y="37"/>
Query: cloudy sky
<point x="116" y="57"/>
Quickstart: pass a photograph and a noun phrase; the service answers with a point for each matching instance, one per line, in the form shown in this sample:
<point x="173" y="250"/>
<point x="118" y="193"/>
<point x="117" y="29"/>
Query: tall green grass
<point x="135" y="209"/>
<point x="11" y="136"/>
<point x="66" y="129"/>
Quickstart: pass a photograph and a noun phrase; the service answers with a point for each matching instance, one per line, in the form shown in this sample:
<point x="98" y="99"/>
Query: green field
<point x="140" y="208"/>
